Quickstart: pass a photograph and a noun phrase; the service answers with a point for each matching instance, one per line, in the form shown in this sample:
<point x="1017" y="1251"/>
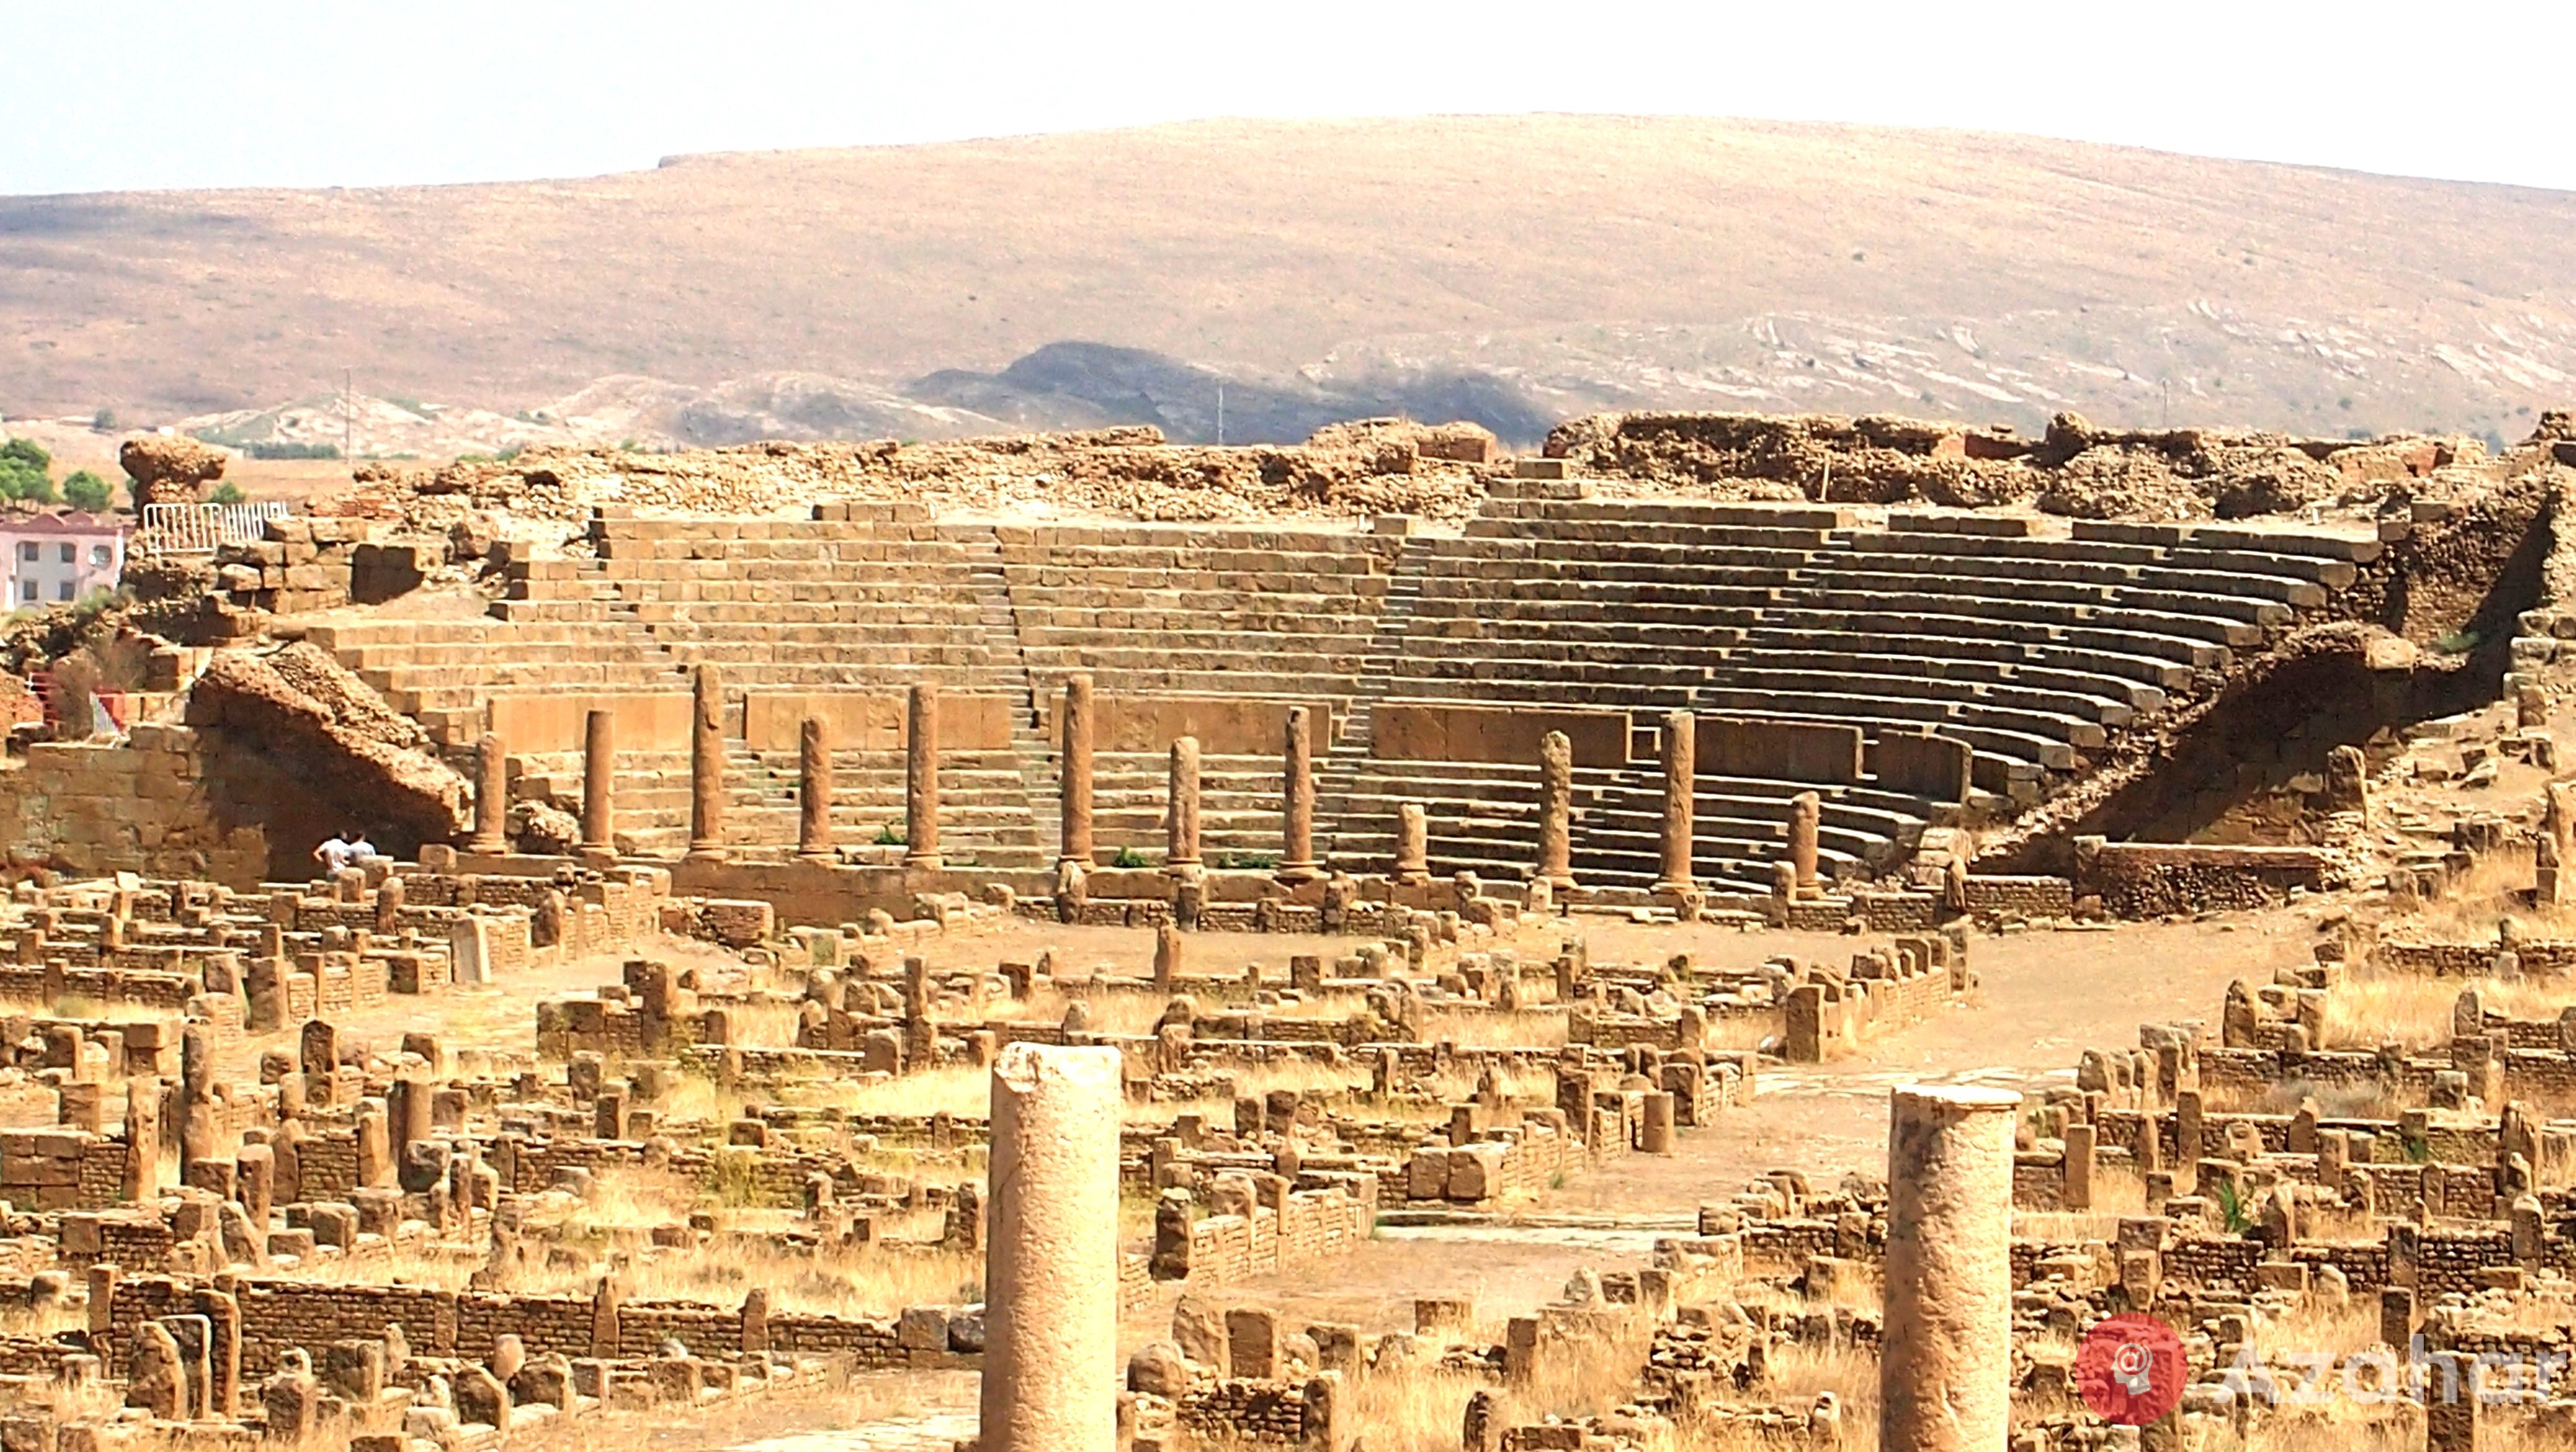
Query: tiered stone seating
<point x="440" y="671"/>
<point x="813" y="603"/>
<point x="1163" y="610"/>
<point x="2033" y="651"/>
<point x="2030" y="649"/>
<point x="985" y="815"/>
<point x="1240" y="803"/>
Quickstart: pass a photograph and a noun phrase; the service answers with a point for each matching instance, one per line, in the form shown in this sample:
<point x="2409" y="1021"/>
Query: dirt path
<point x="2043" y="998"/>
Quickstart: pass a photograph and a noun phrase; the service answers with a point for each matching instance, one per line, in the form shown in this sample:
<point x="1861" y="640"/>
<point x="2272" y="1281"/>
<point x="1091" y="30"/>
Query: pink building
<point x="56" y="559"/>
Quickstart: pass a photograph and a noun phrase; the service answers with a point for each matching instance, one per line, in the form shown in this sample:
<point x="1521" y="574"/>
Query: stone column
<point x="1945" y="1355"/>
<point x="921" y="780"/>
<point x="196" y="1097"/>
<point x="1297" y="856"/>
<point x="1412" y="845"/>
<point x="1075" y="780"/>
<point x="1806" y="813"/>
<point x="1681" y="780"/>
<point x="142" y="1177"/>
<point x="814" y="790"/>
<point x="1051" y="1253"/>
<point x="491" y="797"/>
<point x="1556" y="810"/>
<point x="1181" y="846"/>
<point x="2075" y="1178"/>
<point x="599" y="782"/>
<point x="706" y="765"/>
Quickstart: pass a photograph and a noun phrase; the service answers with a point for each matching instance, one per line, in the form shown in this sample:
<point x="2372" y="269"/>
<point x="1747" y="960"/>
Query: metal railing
<point x="197" y="529"/>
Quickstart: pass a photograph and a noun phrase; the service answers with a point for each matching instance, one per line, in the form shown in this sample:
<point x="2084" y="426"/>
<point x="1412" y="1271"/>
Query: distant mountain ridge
<point x="1514" y="270"/>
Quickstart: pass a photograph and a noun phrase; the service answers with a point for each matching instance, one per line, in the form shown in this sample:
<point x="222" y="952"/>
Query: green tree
<point x="86" y="491"/>
<point x="228" y="492"/>
<point x="22" y="480"/>
<point x="28" y="452"/>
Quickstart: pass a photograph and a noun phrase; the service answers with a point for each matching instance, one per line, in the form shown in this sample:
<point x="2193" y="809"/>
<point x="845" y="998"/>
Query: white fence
<point x="196" y="529"/>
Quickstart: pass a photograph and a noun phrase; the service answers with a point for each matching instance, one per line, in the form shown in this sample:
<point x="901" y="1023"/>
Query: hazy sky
<point x="107" y="94"/>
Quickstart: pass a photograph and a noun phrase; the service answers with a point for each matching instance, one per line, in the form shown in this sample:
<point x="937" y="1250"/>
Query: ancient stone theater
<point x="1791" y="933"/>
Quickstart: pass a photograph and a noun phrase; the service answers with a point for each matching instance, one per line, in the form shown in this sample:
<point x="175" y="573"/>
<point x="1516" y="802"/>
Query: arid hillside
<point x="1551" y="265"/>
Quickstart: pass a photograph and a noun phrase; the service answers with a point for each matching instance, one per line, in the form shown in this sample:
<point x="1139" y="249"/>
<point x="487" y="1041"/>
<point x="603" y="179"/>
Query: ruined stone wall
<point x="2147" y="879"/>
<point x="145" y="806"/>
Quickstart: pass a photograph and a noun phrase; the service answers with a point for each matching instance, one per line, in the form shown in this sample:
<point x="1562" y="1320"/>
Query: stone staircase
<point x="1337" y="771"/>
<point x="1041" y="769"/>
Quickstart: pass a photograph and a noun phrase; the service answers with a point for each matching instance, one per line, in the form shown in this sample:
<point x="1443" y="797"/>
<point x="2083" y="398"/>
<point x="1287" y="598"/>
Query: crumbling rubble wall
<point x="2075" y="469"/>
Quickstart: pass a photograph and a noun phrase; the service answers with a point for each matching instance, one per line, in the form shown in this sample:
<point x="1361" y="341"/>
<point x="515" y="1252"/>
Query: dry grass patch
<point x="1122" y="1012"/>
<point x="1527" y="1029"/>
<point x="2373" y="1009"/>
<point x="962" y="1090"/>
<point x="2116" y="1193"/>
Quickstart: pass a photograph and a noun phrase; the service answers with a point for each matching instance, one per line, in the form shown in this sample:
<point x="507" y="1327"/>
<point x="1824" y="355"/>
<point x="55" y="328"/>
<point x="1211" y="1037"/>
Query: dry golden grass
<point x="1529" y="1029"/>
<point x="1127" y="1014"/>
<point x="1422" y="1409"/>
<point x="1798" y="1373"/>
<point x="2116" y="1193"/>
<point x="1415" y="1409"/>
<point x="23" y="1320"/>
<point x="2490" y="890"/>
<point x="767" y="1023"/>
<point x="959" y="1089"/>
<point x="2370" y="1009"/>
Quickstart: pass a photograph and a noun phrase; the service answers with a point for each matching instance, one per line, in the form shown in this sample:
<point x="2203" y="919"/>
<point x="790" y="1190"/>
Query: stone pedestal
<point x="814" y="790"/>
<point x="1655" y="1136"/>
<point x="491" y="797"/>
<point x="1075" y="785"/>
<point x="921" y="779"/>
<point x="1051" y="1253"/>
<point x="1297" y="848"/>
<point x="1412" y="845"/>
<point x="599" y="782"/>
<point x="1556" y="810"/>
<point x="706" y="766"/>
<point x="1945" y="1356"/>
<point x="1806" y="815"/>
<point x="1181" y="820"/>
<point x="1681" y="778"/>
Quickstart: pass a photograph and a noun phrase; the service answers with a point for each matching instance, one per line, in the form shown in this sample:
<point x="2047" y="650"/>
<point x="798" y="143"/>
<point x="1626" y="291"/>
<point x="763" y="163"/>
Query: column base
<point x="499" y="846"/>
<point x="1299" y="872"/>
<point x="925" y="862"/>
<point x="819" y="859"/>
<point x="593" y="856"/>
<point x="1683" y="897"/>
<point x="707" y="854"/>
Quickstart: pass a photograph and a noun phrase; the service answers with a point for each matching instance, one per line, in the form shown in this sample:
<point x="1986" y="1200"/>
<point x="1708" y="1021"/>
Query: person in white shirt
<point x="335" y="853"/>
